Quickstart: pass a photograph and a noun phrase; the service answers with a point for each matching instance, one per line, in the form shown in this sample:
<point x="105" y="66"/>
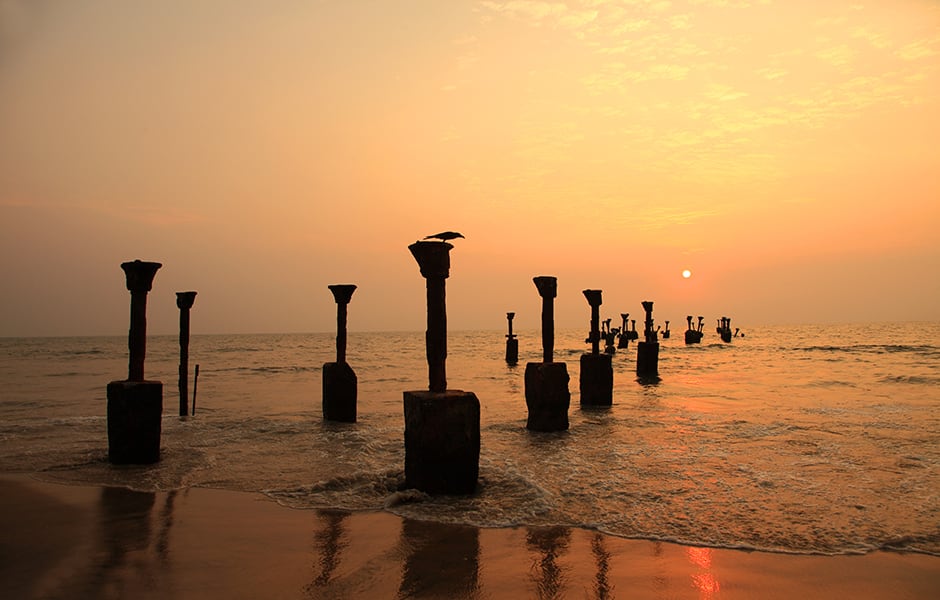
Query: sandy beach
<point x="93" y="542"/>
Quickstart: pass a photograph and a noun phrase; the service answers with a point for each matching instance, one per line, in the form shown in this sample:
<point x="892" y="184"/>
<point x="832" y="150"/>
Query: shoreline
<point x="65" y="541"/>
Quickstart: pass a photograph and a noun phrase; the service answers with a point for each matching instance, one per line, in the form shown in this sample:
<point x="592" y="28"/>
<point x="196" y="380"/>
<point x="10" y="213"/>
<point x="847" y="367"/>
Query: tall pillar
<point x="647" y="351"/>
<point x="184" y="301"/>
<point x="546" y="383"/>
<point x="340" y="384"/>
<point x="597" y="371"/>
<point x="442" y="427"/>
<point x="135" y="406"/>
<point x="512" y="344"/>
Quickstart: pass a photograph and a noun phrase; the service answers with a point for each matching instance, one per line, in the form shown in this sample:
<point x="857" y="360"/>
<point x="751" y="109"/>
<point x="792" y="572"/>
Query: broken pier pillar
<point x="184" y="301"/>
<point x="442" y="427"/>
<point x="135" y="406"/>
<point x="512" y="343"/>
<point x="339" y="380"/>
<point x="647" y="351"/>
<point x="546" y="383"/>
<point x="597" y="371"/>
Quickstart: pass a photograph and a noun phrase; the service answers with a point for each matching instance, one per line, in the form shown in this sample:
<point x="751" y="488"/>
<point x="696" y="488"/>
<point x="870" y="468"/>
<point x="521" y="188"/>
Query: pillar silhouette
<point x="339" y="380"/>
<point x="135" y="406"/>
<point x="184" y="301"/>
<point x="597" y="372"/>
<point x="512" y="344"/>
<point x="442" y="427"/>
<point x="546" y="383"/>
<point x="647" y="351"/>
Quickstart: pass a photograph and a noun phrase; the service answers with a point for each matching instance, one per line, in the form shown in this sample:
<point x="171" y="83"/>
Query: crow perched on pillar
<point x="444" y="236"/>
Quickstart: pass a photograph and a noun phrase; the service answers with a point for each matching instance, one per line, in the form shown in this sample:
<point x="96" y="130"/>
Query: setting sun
<point x="686" y="274"/>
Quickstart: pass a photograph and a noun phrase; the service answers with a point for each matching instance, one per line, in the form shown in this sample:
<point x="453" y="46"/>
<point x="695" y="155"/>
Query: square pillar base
<point x="597" y="380"/>
<point x="339" y="392"/>
<point x="442" y="441"/>
<point x="647" y="359"/>
<point x="547" y="396"/>
<point x="135" y="419"/>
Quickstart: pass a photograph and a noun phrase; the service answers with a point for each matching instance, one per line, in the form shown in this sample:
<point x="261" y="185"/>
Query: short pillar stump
<point x="647" y="359"/>
<point x="597" y="380"/>
<point x="547" y="396"/>
<point x="135" y="418"/>
<point x="442" y="441"/>
<point x="339" y="392"/>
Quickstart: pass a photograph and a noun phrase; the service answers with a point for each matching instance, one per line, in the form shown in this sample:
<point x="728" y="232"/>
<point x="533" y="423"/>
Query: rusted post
<point x="339" y="380"/>
<point x="135" y="406"/>
<point x="442" y="427"/>
<point x="184" y="301"/>
<point x="597" y="372"/>
<point x="546" y="383"/>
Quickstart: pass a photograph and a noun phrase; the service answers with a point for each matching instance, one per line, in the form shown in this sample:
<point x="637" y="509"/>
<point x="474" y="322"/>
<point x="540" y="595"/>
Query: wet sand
<point x="90" y="542"/>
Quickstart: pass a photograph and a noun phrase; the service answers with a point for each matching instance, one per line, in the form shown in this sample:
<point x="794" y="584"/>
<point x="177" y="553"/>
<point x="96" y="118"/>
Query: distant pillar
<point x="597" y="372"/>
<point x="442" y="427"/>
<point x="666" y="332"/>
<point x="339" y="380"/>
<point x="512" y="344"/>
<point x="546" y="383"/>
<point x="624" y="338"/>
<point x="184" y="301"/>
<point x="647" y="351"/>
<point x="135" y="406"/>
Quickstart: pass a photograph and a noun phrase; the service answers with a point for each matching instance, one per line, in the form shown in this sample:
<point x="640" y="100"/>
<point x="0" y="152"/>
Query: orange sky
<point x="783" y="151"/>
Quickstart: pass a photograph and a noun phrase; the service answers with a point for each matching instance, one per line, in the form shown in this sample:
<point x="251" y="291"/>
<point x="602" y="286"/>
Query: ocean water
<point x="808" y="439"/>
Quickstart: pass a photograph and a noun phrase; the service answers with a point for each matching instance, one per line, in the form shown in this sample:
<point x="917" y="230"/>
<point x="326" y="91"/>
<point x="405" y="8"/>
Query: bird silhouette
<point x="444" y="236"/>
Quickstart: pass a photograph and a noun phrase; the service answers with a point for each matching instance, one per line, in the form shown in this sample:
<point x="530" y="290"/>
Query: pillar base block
<point x="647" y="359"/>
<point x="597" y="380"/>
<point x="512" y="351"/>
<point x="442" y="441"/>
<point x="135" y="419"/>
<point x="547" y="396"/>
<point x="339" y="392"/>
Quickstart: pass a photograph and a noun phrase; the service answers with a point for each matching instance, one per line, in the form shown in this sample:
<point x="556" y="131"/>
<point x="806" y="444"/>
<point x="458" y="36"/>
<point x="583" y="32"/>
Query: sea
<point x="810" y="439"/>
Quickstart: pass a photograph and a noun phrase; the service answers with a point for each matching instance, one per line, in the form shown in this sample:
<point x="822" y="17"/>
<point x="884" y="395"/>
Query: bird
<point x="444" y="236"/>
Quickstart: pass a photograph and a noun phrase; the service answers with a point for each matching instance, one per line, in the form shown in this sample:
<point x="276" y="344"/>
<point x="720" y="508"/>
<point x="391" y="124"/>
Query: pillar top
<point x="593" y="297"/>
<point x="433" y="258"/>
<point x="140" y="274"/>
<point x="547" y="286"/>
<point x="342" y="292"/>
<point x="510" y="315"/>
<point x="647" y="305"/>
<point x="185" y="299"/>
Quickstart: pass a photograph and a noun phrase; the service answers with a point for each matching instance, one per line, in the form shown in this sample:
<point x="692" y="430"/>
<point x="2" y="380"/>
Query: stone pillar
<point x="512" y="344"/>
<point x="647" y="351"/>
<point x="340" y="384"/>
<point x="597" y="371"/>
<point x="442" y="427"/>
<point x="135" y="406"/>
<point x="623" y="340"/>
<point x="184" y="301"/>
<point x="546" y="383"/>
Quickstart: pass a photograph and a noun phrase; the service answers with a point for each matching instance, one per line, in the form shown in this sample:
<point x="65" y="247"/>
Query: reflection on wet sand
<point x="550" y="543"/>
<point x="330" y="543"/>
<point x="441" y="561"/>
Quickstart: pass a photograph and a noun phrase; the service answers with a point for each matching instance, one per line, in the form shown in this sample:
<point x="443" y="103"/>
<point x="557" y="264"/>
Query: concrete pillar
<point x="546" y="383"/>
<point x="647" y="351"/>
<point x="340" y="384"/>
<point x="442" y="427"/>
<point x="597" y="372"/>
<point x="135" y="406"/>
<point x="184" y="301"/>
<point x="512" y="344"/>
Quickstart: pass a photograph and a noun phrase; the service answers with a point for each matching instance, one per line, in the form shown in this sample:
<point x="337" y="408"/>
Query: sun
<point x="686" y="274"/>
